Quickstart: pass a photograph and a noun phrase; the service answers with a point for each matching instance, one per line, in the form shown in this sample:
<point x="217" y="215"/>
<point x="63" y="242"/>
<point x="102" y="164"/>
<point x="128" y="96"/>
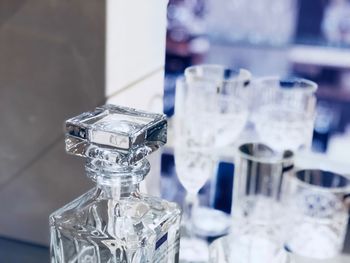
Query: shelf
<point x="320" y="56"/>
<point x="333" y="93"/>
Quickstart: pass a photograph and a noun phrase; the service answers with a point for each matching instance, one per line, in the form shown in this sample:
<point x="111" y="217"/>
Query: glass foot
<point x="209" y="222"/>
<point x="226" y="250"/>
<point x="193" y="250"/>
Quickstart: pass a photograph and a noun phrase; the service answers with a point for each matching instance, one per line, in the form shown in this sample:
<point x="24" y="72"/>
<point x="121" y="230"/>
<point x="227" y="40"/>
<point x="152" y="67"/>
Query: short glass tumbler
<point x="225" y="113"/>
<point x="257" y="229"/>
<point x="318" y="211"/>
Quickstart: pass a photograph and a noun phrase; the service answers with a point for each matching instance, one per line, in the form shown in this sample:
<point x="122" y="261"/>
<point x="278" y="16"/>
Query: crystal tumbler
<point x="318" y="211"/>
<point x="257" y="231"/>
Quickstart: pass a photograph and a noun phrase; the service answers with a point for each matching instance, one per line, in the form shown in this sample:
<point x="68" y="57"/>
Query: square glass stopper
<point x="115" y="134"/>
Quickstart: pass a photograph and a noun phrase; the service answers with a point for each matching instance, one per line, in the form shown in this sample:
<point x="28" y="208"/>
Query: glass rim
<point x="303" y="84"/>
<point x="181" y="80"/>
<point x="234" y="99"/>
<point x="284" y="157"/>
<point x="338" y="189"/>
<point x="243" y="75"/>
<point x="226" y="97"/>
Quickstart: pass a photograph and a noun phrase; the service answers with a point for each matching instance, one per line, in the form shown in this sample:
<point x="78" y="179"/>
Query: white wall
<point x="135" y="57"/>
<point x="135" y="52"/>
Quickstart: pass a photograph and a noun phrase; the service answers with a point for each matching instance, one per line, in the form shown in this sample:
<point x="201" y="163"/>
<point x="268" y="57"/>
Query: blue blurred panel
<point x="223" y="187"/>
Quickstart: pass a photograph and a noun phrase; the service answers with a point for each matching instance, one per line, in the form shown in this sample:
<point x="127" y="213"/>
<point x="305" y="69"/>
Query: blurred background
<point x="62" y="57"/>
<point x="307" y="38"/>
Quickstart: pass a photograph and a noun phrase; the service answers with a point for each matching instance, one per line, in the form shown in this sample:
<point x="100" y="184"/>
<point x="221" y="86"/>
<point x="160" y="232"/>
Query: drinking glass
<point x="206" y="104"/>
<point x="318" y="204"/>
<point x="274" y="21"/>
<point x="220" y="251"/>
<point x="194" y="161"/>
<point x="257" y="232"/>
<point x="283" y="112"/>
<point x="227" y="89"/>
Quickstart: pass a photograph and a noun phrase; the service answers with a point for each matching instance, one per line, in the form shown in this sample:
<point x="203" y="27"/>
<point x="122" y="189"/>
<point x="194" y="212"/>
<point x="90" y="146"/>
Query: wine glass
<point x="258" y="217"/>
<point x="229" y="88"/>
<point x="208" y="115"/>
<point x="228" y="91"/>
<point x="194" y="136"/>
<point x="284" y="112"/>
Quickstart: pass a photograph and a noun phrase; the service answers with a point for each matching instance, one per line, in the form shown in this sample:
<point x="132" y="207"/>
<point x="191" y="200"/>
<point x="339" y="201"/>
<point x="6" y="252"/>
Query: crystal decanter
<point x="114" y="222"/>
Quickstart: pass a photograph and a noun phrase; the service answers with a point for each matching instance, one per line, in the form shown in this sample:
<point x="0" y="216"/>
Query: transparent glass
<point x="224" y="111"/>
<point x="194" y="159"/>
<point x="115" y="134"/>
<point x="114" y="222"/>
<point x="220" y="251"/>
<point x="228" y="89"/>
<point x="194" y="135"/>
<point x="273" y="24"/>
<point x="209" y="114"/>
<point x="283" y="112"/>
<point x="318" y="211"/>
<point x="335" y="24"/>
<point x="257" y="229"/>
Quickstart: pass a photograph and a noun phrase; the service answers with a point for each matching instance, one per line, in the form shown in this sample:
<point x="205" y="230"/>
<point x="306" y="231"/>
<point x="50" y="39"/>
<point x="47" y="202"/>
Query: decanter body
<point x="114" y="222"/>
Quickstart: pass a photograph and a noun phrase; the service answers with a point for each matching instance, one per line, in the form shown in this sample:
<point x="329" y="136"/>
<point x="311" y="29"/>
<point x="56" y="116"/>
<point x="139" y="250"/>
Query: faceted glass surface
<point x="116" y="134"/>
<point x="114" y="222"/>
<point x="99" y="227"/>
<point x="318" y="213"/>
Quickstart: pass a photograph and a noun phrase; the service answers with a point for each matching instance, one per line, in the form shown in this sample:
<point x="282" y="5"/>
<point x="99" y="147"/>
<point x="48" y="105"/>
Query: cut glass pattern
<point x="114" y="222"/>
<point x="115" y="134"/>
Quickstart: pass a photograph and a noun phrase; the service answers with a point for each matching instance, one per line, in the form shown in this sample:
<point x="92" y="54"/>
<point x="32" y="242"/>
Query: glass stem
<point x="191" y="201"/>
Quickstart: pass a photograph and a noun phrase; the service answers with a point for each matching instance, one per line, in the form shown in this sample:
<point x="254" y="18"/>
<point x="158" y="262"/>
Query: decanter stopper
<point x="115" y="134"/>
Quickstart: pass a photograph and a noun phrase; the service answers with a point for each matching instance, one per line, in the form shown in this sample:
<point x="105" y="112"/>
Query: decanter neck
<point x="117" y="180"/>
<point x="114" y="189"/>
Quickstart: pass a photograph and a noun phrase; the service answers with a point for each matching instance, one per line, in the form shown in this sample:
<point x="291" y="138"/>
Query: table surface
<point x="14" y="251"/>
<point x="220" y="246"/>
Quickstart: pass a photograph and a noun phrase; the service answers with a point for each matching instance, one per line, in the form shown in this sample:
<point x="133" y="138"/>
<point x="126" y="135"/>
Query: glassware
<point x="220" y="252"/>
<point x="284" y="112"/>
<point x="193" y="136"/>
<point x="194" y="160"/>
<point x="257" y="230"/>
<point x="274" y="21"/>
<point x="318" y="211"/>
<point x="335" y="25"/>
<point x="114" y="222"/>
<point x="224" y="91"/>
<point x="229" y="90"/>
